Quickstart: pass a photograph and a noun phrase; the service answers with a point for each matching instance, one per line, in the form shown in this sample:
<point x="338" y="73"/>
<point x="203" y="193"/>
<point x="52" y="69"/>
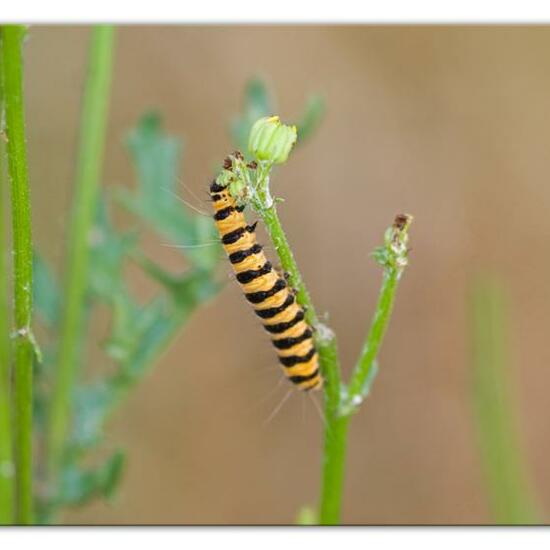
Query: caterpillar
<point x="273" y="300"/>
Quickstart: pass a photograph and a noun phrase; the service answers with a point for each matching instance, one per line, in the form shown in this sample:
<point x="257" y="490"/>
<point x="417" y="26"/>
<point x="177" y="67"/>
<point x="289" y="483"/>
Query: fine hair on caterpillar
<point x="269" y="293"/>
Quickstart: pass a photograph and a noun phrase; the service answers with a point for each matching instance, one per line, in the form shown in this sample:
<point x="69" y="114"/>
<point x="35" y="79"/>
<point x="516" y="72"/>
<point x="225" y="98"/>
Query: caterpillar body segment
<point x="274" y="302"/>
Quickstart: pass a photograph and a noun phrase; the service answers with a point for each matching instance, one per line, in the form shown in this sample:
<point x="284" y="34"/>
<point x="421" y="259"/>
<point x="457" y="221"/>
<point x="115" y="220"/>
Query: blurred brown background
<point x="451" y="124"/>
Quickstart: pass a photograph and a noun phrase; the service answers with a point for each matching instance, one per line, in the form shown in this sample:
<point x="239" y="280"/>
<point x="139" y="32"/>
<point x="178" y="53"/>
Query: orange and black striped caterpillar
<point x="268" y="292"/>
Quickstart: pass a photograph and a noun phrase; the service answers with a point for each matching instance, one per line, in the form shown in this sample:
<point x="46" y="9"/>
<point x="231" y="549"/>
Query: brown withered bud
<point x="401" y="221"/>
<point x="252" y="165"/>
<point x="238" y="155"/>
<point x="227" y="163"/>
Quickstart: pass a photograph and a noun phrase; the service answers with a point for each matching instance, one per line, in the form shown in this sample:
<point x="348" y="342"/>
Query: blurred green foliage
<point x="504" y="466"/>
<point x="259" y="102"/>
<point x="139" y="332"/>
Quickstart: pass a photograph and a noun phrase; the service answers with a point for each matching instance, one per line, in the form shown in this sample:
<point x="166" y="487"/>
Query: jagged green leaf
<point x="109" y="250"/>
<point x="92" y="403"/>
<point x="156" y="199"/>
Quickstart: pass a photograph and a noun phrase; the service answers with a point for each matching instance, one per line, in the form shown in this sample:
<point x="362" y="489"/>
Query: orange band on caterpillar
<point x="272" y="299"/>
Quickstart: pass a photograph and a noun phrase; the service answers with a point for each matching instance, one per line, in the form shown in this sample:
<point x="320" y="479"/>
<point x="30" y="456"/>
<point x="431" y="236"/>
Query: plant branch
<point x="270" y="142"/>
<point x="335" y="427"/>
<point x="12" y="37"/>
<point x="340" y="404"/>
<point x="6" y="452"/>
<point x="88" y="172"/>
<point x="393" y="257"/>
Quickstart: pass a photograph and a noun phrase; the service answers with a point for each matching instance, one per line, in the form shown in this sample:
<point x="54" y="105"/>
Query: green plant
<point x="70" y="406"/>
<point x="504" y="466"/>
<point x="12" y="85"/>
<point x="270" y="143"/>
<point x="75" y="414"/>
<point x="6" y="452"/>
<point x="139" y="332"/>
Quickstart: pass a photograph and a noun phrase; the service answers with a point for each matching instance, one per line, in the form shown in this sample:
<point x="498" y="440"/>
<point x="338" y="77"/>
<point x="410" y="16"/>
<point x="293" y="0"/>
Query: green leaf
<point x="92" y="404"/>
<point x="46" y="292"/>
<point x="110" y="474"/>
<point x="257" y="104"/>
<point x="156" y="201"/>
<point x="78" y="486"/>
<point x="109" y="251"/>
<point x="312" y="117"/>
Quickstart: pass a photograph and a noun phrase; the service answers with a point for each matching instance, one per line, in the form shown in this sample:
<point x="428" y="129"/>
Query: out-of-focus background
<point x="450" y="124"/>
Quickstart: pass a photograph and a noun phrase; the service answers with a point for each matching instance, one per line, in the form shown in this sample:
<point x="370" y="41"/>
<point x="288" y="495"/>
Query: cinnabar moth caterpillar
<point x="268" y="293"/>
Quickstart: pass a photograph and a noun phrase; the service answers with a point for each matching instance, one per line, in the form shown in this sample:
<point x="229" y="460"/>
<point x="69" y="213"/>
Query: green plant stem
<point x="12" y="37"/>
<point x="509" y="489"/>
<point x="288" y="263"/>
<point x="88" y="172"/>
<point x="364" y="369"/>
<point x="6" y="452"/>
<point x="340" y="404"/>
<point x="339" y="412"/>
<point x="336" y="427"/>
<point x="336" y="434"/>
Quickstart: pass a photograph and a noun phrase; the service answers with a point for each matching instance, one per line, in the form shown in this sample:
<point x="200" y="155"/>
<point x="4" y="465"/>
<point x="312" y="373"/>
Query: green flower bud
<point x="271" y="140"/>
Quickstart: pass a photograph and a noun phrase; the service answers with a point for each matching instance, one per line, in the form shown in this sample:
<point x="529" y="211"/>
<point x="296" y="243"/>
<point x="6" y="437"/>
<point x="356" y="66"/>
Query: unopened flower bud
<point x="271" y="140"/>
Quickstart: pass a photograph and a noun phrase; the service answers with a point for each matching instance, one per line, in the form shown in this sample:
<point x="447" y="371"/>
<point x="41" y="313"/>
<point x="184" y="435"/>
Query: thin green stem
<point x="288" y="263"/>
<point x="6" y="452"/>
<point x="393" y="256"/>
<point x="339" y="409"/>
<point x="338" y="406"/>
<point x="335" y="428"/>
<point x="332" y="487"/>
<point x="510" y="492"/>
<point x="364" y="369"/>
<point x="12" y="37"/>
<point x="88" y="172"/>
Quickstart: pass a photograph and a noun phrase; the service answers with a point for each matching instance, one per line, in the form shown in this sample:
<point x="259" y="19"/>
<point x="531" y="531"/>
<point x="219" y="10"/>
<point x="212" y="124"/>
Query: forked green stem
<point x="88" y="172"/>
<point x="340" y="404"/>
<point x="12" y="66"/>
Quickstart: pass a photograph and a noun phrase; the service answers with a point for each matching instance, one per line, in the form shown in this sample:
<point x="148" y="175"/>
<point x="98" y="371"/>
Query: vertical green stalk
<point x="335" y="426"/>
<point x="6" y="454"/>
<point x="509" y="491"/>
<point x="340" y="403"/>
<point x="332" y="477"/>
<point x="88" y="172"/>
<point x="12" y="65"/>
<point x="288" y="263"/>
<point x="339" y="409"/>
<point x="270" y="142"/>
